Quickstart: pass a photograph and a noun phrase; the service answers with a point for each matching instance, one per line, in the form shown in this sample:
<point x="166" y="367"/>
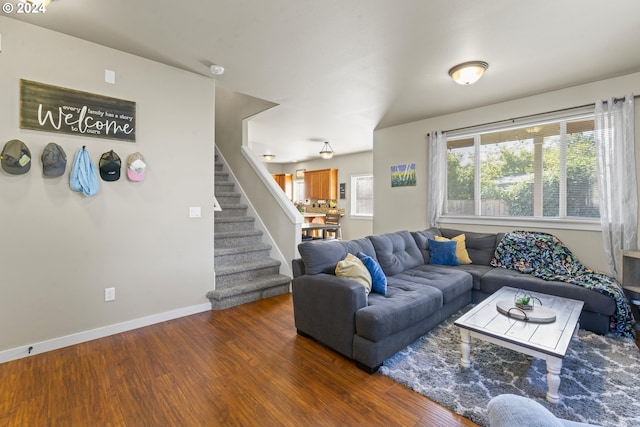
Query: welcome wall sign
<point x="56" y="109"/>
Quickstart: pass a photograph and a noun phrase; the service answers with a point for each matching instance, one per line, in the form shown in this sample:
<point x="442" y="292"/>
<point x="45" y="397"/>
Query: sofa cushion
<point x="321" y="256"/>
<point x="360" y="245"/>
<point x="452" y="282"/>
<point x="443" y="253"/>
<point x="378" y="279"/>
<point x="396" y="252"/>
<point x="477" y="272"/>
<point x="461" y="248"/>
<point x="406" y="304"/>
<point x="480" y="246"/>
<point x="593" y="301"/>
<point x="422" y="241"/>
<point x="352" y="268"/>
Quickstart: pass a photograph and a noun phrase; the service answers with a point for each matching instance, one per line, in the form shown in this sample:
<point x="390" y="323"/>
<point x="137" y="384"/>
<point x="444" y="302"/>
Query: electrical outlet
<point x="109" y="294"/>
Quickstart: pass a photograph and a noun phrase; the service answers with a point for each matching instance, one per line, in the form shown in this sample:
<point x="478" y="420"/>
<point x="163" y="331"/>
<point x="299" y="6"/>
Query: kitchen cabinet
<point x="321" y="184"/>
<point x="285" y="181"/>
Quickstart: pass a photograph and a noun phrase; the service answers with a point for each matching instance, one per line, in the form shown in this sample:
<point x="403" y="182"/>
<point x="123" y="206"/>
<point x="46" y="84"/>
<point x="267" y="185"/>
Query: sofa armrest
<point x="297" y="267"/>
<point x="509" y="410"/>
<point x="324" y="308"/>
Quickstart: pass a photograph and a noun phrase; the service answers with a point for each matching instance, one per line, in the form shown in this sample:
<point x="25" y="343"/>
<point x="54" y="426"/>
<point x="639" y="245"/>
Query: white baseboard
<point x="105" y="331"/>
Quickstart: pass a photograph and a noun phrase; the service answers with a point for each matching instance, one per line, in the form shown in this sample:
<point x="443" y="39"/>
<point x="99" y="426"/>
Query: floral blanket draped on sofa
<point x="544" y="256"/>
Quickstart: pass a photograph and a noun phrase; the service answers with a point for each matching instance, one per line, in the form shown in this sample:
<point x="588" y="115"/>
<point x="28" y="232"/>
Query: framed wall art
<point x="403" y="175"/>
<point x="57" y="109"/>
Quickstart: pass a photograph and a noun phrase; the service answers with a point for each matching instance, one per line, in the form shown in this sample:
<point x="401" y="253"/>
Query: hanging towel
<point x="83" y="176"/>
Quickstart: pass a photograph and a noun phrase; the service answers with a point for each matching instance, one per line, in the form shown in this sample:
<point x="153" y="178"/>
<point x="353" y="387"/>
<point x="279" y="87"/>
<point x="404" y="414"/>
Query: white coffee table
<point x="548" y="341"/>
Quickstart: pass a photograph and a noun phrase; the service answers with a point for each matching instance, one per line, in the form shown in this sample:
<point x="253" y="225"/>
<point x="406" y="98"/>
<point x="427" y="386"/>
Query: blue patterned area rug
<point x="600" y="377"/>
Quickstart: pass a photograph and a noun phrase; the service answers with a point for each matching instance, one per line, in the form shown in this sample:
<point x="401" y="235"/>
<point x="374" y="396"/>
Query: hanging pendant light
<point x="469" y="72"/>
<point x="327" y="151"/>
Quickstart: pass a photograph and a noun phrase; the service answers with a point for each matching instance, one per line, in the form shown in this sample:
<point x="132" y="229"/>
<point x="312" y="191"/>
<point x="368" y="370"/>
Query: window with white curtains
<point x="614" y="133"/>
<point x="543" y="168"/>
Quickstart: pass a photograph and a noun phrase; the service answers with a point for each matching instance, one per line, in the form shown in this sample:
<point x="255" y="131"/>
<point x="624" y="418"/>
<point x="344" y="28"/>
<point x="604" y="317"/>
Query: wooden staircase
<point x="244" y="270"/>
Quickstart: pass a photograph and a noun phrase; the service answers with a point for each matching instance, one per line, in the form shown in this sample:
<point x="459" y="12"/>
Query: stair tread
<point x="238" y="233"/>
<point x="241" y="249"/>
<point x="244" y="218"/>
<point x="248" y="286"/>
<point x="233" y="206"/>
<point x="223" y="270"/>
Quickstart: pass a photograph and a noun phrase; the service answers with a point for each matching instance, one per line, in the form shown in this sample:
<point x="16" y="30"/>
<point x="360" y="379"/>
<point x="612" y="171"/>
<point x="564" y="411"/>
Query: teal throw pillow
<point x="443" y="253"/>
<point x="378" y="279"/>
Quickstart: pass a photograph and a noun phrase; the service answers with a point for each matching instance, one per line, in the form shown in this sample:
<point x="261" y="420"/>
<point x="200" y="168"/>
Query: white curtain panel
<point x="437" y="182"/>
<point x="614" y="132"/>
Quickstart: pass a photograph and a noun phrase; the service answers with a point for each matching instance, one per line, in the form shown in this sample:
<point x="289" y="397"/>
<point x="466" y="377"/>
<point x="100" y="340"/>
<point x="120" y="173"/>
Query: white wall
<point x="59" y="249"/>
<point x="347" y="165"/>
<point x="405" y="207"/>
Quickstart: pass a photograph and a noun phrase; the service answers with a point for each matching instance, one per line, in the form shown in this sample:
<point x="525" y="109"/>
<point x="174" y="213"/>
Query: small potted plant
<point x="523" y="301"/>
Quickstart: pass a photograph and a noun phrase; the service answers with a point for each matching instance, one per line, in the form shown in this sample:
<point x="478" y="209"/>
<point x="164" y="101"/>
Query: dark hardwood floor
<point x="244" y="366"/>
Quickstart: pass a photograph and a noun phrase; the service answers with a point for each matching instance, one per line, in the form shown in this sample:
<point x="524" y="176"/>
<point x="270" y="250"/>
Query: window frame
<point x="560" y="117"/>
<point x="297" y="183"/>
<point x="354" y="197"/>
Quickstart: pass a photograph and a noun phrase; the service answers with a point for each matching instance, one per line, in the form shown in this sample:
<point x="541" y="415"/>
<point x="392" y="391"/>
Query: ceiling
<point x="338" y="69"/>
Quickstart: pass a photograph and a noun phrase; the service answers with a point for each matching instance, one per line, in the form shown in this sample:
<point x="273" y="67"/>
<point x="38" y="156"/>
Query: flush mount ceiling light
<point x="269" y="157"/>
<point x="327" y="151"/>
<point x="468" y="72"/>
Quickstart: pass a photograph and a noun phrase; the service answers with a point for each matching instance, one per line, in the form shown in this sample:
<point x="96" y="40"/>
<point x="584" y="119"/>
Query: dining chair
<point x="333" y="219"/>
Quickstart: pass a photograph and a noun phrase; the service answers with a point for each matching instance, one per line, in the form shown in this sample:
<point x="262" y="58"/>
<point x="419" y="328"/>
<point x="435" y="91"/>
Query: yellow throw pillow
<point x="461" y="248"/>
<point x="352" y="268"/>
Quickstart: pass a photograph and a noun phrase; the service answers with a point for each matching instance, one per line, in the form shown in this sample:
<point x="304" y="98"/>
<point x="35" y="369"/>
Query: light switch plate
<point x="195" y="212"/>
<point x="110" y="76"/>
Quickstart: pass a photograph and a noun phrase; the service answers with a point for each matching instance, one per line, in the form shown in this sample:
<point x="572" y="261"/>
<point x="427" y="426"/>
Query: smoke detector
<point x="217" y="70"/>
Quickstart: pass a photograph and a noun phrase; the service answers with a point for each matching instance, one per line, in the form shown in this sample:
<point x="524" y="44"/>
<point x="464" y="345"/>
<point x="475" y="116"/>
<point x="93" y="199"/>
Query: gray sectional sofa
<point x="337" y="311"/>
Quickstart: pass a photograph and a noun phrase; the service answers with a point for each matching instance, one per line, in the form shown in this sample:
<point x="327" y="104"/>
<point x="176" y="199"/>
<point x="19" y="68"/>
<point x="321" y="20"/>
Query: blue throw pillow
<point x="443" y="253"/>
<point x="378" y="279"/>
